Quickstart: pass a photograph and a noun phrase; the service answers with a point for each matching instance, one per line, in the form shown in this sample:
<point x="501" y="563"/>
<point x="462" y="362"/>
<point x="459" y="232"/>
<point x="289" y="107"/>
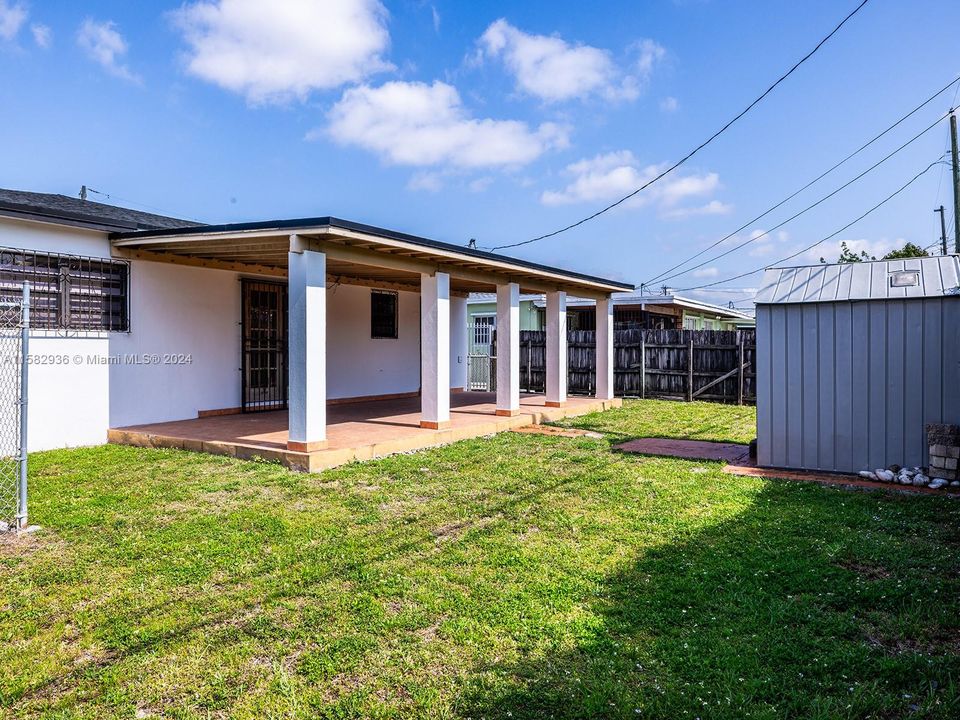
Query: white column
<point x="307" y="339"/>
<point x="435" y="351"/>
<point x="508" y="349"/>
<point x="556" y="349"/>
<point x="605" y="349"/>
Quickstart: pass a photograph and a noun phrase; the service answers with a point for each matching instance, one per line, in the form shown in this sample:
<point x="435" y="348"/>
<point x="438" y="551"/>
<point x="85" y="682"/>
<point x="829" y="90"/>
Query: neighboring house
<point x="482" y="316"/>
<point x="140" y="318"/>
<point x="664" y="312"/>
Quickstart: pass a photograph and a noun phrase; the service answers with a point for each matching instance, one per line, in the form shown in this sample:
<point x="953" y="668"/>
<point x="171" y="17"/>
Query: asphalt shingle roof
<point x="84" y="212"/>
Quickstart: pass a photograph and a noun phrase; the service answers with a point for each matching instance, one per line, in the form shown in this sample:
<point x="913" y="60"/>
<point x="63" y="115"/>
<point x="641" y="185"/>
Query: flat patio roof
<point x="357" y="253"/>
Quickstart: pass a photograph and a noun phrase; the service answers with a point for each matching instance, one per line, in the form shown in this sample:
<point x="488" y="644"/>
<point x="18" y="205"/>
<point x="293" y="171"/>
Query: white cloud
<point x="669" y="105"/>
<point x="830" y="251"/>
<point x="105" y="45"/>
<point x="551" y="69"/>
<point x="707" y="272"/>
<point x="429" y="181"/>
<point x="422" y="125"/>
<point x="436" y="18"/>
<point x="651" y="54"/>
<point x="764" y="244"/>
<point x="12" y="18"/>
<point x="42" y="35"/>
<point x="613" y="175"/>
<point x="480" y="184"/>
<point x="279" y="51"/>
<point x="714" y="207"/>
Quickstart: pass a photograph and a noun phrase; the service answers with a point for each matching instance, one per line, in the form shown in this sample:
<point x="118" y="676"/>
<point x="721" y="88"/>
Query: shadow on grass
<point x="759" y="616"/>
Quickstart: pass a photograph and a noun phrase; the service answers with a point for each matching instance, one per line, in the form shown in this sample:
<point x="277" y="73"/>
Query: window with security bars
<point x="383" y="314"/>
<point x="68" y="292"/>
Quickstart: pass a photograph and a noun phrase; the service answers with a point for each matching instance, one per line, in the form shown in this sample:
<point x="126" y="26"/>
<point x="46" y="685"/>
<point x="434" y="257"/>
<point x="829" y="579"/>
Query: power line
<point x="823" y="240"/>
<point x="111" y="196"/>
<point x="809" y="207"/>
<point x="812" y="182"/>
<point x="700" y="146"/>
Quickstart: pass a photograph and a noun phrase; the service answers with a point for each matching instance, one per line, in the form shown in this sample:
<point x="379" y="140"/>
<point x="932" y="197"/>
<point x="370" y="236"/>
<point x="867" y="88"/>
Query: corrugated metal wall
<point x="847" y="386"/>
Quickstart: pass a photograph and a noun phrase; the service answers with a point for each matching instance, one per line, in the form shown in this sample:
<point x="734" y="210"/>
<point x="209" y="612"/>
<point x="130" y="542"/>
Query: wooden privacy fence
<point x="718" y="365"/>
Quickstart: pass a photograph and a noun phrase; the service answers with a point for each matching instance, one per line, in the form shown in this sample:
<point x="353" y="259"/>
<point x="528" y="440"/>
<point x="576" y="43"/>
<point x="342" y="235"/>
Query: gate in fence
<point x="481" y="355"/>
<point x="717" y="365"/>
<point x="14" y="344"/>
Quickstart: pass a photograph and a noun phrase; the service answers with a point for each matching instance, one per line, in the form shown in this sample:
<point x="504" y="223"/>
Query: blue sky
<point x="493" y="120"/>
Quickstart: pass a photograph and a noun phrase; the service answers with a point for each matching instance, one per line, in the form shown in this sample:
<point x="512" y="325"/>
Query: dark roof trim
<point x="327" y="221"/>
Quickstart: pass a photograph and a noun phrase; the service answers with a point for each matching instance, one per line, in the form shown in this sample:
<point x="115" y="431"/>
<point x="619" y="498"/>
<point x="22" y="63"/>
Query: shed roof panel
<point x="937" y="276"/>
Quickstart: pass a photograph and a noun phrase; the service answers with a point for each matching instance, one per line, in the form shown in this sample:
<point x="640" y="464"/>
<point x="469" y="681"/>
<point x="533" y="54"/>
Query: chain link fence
<point x="14" y="319"/>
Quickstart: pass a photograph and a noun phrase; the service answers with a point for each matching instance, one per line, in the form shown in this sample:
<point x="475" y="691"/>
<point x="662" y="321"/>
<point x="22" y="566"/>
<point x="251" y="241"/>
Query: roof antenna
<point x="472" y="244"/>
<point x="83" y="192"/>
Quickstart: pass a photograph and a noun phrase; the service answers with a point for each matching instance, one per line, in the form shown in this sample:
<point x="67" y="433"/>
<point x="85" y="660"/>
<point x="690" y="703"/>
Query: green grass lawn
<point x="518" y="576"/>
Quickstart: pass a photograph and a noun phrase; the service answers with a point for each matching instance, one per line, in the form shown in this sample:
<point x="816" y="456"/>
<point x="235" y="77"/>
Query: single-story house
<point x="659" y="312"/>
<point x="630" y="310"/>
<point x="140" y="319"/>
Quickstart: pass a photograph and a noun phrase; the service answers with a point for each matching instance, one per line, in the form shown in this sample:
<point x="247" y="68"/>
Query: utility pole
<point x="83" y="192"/>
<point x="956" y="181"/>
<point x="943" y="231"/>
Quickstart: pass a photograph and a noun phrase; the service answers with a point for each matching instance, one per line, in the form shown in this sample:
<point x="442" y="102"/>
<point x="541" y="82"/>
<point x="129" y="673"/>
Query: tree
<point x="849" y="256"/>
<point x="907" y="251"/>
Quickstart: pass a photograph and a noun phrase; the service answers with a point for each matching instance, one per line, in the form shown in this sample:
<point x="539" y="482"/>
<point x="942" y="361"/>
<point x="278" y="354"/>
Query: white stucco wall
<point x="458" y="342"/>
<point x="68" y="397"/>
<point x="177" y="311"/>
<point x="358" y="365"/>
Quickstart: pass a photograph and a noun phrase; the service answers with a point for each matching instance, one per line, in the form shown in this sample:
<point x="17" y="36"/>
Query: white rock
<point x="909" y="471"/>
<point x="936" y="485"/>
<point x="867" y="475"/>
<point x="955" y="483"/>
<point x="906" y="481"/>
<point x="920" y="479"/>
<point x="884" y="475"/>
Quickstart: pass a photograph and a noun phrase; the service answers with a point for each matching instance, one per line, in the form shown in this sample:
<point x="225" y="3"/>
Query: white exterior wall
<point x="68" y="401"/>
<point x="177" y="310"/>
<point x="458" y="342"/>
<point x="358" y="365"/>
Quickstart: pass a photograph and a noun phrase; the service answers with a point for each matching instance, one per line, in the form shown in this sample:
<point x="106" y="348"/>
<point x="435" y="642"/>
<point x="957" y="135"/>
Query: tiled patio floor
<point x="355" y="431"/>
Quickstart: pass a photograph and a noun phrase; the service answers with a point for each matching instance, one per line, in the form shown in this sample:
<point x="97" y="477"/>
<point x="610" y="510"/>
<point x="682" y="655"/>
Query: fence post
<point x="529" y="356"/>
<point x="22" y="521"/>
<point x="643" y="364"/>
<point x="740" y="370"/>
<point x="690" y="367"/>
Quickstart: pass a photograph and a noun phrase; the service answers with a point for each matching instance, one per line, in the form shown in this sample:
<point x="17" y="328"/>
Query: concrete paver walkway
<point x="738" y="462"/>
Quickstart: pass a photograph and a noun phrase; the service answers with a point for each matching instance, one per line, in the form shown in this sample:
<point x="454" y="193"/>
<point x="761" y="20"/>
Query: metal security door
<point x="264" y="346"/>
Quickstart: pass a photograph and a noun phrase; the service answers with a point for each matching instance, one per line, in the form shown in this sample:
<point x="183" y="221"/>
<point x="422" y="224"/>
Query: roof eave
<point x="325" y="224"/>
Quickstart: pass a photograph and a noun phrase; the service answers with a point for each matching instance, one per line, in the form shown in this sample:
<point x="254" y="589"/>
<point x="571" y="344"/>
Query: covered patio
<point x="311" y="258"/>
<point x="355" y="431"/>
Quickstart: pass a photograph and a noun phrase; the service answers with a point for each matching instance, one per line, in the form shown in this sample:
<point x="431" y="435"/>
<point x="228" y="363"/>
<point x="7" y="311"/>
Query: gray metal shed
<point x="854" y="359"/>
